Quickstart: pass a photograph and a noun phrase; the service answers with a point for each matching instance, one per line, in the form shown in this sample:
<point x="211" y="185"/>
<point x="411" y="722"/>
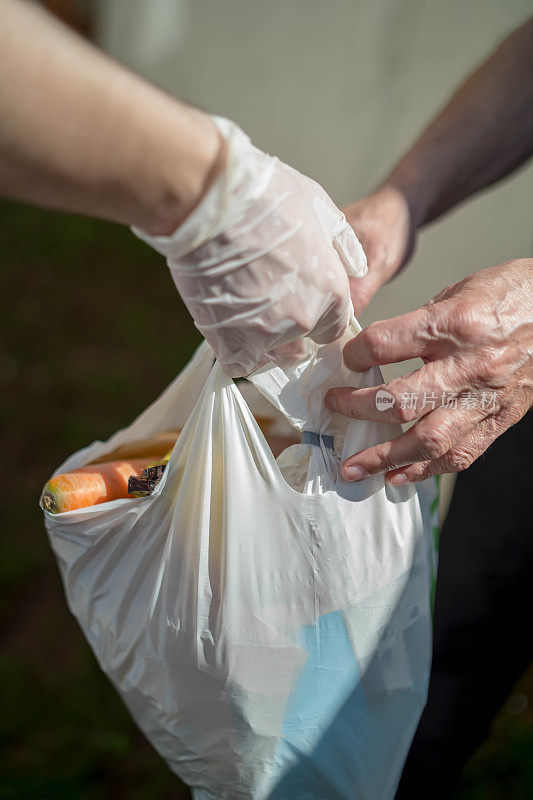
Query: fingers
<point x="350" y="250"/>
<point x="403" y="399"/>
<point x="392" y="340"/>
<point x="461" y="456"/>
<point x="352" y="257"/>
<point x="332" y="325"/>
<point x="287" y="355"/>
<point x="238" y="370"/>
<point x="334" y="321"/>
<point x="467" y="448"/>
<point x="341" y="235"/>
<point x="427" y="441"/>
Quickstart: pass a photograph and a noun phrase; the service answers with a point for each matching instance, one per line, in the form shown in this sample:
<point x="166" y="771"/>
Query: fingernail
<point x="354" y="473"/>
<point x="330" y="401"/>
<point x="398" y="479"/>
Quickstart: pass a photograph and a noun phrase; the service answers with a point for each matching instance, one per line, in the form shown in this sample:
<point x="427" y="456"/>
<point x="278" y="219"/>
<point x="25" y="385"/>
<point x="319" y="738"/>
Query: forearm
<point x="484" y="133"/>
<point x="79" y="132"/>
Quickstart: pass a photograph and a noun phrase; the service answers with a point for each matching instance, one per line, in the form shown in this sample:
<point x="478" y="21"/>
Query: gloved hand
<point x="263" y="259"/>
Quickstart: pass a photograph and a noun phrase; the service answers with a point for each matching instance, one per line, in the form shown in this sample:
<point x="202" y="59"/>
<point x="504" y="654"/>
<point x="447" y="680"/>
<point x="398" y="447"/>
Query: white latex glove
<point x="263" y="259"/>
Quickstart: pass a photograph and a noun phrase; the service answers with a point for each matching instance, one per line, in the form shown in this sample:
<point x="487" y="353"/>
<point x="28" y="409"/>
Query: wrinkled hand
<point x="263" y="259"/>
<point x="384" y="224"/>
<point x="476" y="339"/>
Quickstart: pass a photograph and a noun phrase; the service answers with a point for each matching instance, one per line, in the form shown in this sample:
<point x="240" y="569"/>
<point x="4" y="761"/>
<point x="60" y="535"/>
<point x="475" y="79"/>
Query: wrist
<point x="187" y="168"/>
<point x="383" y="223"/>
<point x="229" y="187"/>
<point x="408" y="190"/>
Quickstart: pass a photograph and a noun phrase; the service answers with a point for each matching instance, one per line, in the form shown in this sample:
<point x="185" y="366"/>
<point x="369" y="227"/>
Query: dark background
<point x="92" y="330"/>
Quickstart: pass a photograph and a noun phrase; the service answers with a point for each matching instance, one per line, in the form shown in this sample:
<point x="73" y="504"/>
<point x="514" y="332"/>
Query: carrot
<point x="90" y="485"/>
<point x="106" y="478"/>
<point x="156" y="445"/>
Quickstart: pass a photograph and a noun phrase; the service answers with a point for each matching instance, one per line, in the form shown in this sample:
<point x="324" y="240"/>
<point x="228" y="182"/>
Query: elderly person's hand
<point x="386" y="226"/>
<point x="476" y="341"/>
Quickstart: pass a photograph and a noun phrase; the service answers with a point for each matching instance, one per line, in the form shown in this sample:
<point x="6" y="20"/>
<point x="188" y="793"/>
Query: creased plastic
<point x="270" y="643"/>
<point x="263" y="258"/>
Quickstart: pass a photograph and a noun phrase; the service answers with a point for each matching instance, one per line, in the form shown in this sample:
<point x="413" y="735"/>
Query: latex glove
<point x="263" y="259"/>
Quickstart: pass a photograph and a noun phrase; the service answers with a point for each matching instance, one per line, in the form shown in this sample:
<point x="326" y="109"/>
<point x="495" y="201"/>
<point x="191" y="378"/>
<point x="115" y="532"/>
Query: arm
<point x="80" y="132"/>
<point x="475" y="337"/>
<point x="483" y="134"/>
<point x="260" y="260"/>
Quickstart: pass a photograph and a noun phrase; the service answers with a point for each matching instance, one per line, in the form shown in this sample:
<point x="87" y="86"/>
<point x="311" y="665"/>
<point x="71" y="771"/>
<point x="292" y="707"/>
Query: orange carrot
<point x="88" y="486"/>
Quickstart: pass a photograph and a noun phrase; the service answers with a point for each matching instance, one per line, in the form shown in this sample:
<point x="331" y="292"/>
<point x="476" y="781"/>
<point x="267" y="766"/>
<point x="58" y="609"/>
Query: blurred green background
<point x="92" y="330"/>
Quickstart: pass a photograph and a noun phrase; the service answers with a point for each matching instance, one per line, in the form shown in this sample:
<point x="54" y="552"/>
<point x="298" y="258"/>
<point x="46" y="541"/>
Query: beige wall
<point x="339" y="89"/>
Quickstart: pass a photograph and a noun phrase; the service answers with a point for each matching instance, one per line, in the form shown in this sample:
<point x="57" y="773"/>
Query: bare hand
<point x="476" y="341"/>
<point x="384" y="224"/>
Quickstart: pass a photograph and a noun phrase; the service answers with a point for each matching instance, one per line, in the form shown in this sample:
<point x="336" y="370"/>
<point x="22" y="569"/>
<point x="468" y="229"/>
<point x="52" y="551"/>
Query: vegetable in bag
<point x="90" y="485"/>
<point x="271" y="640"/>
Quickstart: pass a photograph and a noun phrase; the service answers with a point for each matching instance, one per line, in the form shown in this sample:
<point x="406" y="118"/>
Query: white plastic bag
<point x="270" y="643"/>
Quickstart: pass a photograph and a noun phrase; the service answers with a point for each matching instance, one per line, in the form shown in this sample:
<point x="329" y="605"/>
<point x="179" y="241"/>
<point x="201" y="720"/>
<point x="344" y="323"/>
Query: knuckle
<point x="376" y="340"/>
<point x="459" y="459"/>
<point x="387" y="462"/>
<point x="511" y="414"/>
<point x="346" y="404"/>
<point x="303" y="323"/>
<point x="431" y="326"/>
<point x="419" y="472"/>
<point x="488" y="366"/>
<point x="466" y="322"/>
<point x="382" y="458"/>
<point x="403" y="413"/>
<point x="350" y="409"/>
<point x="429" y="308"/>
<point x="434" y="443"/>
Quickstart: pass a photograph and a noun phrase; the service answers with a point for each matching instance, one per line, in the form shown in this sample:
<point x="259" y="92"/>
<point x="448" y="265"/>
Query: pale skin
<point x="475" y="337"/>
<point x="80" y="132"/>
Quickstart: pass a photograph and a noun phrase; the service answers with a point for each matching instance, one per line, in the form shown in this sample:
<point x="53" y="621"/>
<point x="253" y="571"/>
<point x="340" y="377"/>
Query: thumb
<point x="341" y="235"/>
